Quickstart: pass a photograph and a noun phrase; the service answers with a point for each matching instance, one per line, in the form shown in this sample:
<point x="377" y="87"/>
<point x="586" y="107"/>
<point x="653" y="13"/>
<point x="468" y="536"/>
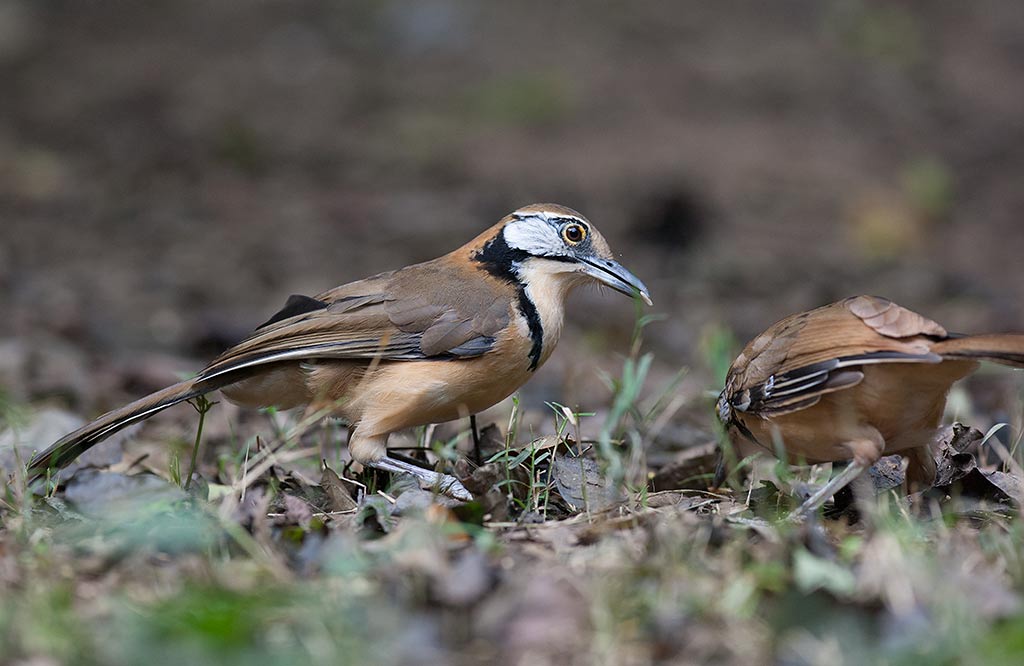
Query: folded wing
<point x="390" y="317"/>
<point x="795" y="362"/>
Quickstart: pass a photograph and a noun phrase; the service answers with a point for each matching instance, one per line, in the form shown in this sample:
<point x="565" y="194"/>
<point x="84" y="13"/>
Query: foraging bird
<point x="424" y="344"/>
<point x="853" y="380"/>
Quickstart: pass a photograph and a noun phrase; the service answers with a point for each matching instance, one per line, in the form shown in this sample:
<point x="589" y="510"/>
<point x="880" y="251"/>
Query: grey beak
<point x="615" y="275"/>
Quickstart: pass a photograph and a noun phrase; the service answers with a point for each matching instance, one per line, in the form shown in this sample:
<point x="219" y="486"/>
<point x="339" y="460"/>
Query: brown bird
<point x="853" y="380"/>
<point x="424" y="344"/>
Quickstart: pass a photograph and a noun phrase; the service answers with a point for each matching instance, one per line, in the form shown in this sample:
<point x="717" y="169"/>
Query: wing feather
<point x="379" y="318"/>
<point x="807" y="355"/>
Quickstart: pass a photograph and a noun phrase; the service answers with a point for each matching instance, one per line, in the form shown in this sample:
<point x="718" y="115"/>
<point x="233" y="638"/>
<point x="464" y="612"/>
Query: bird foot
<point x="442" y="483"/>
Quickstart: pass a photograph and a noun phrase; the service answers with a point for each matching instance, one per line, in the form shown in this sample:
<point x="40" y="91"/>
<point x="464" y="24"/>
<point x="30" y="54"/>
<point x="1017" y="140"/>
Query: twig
<point x="269" y="461"/>
<point x="202" y="405"/>
<point x="319" y="514"/>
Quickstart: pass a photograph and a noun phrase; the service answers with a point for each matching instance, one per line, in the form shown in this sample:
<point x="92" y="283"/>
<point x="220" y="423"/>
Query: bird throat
<point x="503" y="262"/>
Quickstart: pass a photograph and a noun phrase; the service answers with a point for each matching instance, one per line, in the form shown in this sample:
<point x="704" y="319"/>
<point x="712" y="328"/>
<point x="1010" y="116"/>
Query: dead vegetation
<point x="576" y="551"/>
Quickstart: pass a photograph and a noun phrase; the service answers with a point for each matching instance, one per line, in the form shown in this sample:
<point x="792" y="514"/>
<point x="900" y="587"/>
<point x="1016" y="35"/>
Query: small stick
<point x="201" y="405"/>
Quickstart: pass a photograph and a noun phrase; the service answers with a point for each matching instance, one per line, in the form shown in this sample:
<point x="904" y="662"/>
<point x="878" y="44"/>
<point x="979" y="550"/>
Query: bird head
<point x="557" y="242"/>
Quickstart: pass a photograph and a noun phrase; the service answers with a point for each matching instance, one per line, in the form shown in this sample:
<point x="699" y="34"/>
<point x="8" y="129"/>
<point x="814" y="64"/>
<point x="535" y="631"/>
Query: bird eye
<point x="574" y="234"/>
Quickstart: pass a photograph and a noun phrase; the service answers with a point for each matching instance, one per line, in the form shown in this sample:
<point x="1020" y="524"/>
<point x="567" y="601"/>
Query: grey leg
<point x="815" y="501"/>
<point x="443" y="483"/>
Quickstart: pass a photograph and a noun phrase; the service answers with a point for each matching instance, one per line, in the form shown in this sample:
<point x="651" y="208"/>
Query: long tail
<point x="69" y="447"/>
<point x="1005" y="348"/>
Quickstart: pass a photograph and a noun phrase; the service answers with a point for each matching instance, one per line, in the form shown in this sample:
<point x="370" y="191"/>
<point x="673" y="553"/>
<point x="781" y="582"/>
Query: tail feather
<point x="69" y="447"/>
<point x="1004" y="348"/>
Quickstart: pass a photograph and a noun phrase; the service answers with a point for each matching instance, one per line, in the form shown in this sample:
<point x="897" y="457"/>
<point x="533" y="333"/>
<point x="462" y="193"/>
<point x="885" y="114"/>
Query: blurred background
<point x="171" y="171"/>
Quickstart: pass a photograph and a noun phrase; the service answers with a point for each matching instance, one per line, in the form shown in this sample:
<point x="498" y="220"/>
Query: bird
<point x="851" y="381"/>
<point x="428" y="343"/>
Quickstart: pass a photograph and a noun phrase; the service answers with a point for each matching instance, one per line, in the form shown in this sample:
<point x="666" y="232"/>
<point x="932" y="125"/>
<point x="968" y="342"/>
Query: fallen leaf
<point x="413" y="501"/>
<point x="952" y="466"/>
<point x="581" y="484"/>
<point x="959" y="437"/>
<point x="887" y="473"/>
<point x="338" y="497"/>
<point x="492" y="484"/>
<point x="377" y="513"/>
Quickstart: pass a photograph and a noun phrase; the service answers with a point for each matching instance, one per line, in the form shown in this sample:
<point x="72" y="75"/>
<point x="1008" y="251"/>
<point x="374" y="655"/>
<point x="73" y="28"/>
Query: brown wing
<point x="407" y="315"/>
<point x="799" y="359"/>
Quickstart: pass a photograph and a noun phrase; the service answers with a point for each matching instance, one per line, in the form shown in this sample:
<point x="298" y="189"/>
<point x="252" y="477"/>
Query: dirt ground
<point x="171" y="171"/>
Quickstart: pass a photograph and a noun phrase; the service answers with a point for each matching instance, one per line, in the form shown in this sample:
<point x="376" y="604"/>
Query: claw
<point x="453" y="488"/>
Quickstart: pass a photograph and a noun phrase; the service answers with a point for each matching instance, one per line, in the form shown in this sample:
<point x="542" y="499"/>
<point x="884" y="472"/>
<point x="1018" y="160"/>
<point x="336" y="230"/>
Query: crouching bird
<point x="852" y="381"/>
<point x="423" y="344"/>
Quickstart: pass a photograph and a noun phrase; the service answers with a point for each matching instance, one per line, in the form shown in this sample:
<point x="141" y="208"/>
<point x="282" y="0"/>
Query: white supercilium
<point x="534" y="234"/>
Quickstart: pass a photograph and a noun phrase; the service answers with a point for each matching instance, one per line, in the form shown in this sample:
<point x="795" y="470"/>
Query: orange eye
<point x="574" y="234"/>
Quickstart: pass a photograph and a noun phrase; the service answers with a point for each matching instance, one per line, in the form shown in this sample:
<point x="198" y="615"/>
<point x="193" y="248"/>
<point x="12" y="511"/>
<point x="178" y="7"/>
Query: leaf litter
<point x="555" y="560"/>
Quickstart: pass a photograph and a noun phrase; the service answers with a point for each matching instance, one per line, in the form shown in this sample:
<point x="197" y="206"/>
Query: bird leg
<point x="920" y="469"/>
<point x="837" y="483"/>
<point x="477" y="454"/>
<point x="372" y="450"/>
<point x="866" y="451"/>
<point x="443" y="483"/>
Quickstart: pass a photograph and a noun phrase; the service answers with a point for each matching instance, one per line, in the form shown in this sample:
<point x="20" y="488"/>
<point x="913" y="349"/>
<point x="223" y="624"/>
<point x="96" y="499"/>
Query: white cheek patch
<point x="533" y="236"/>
